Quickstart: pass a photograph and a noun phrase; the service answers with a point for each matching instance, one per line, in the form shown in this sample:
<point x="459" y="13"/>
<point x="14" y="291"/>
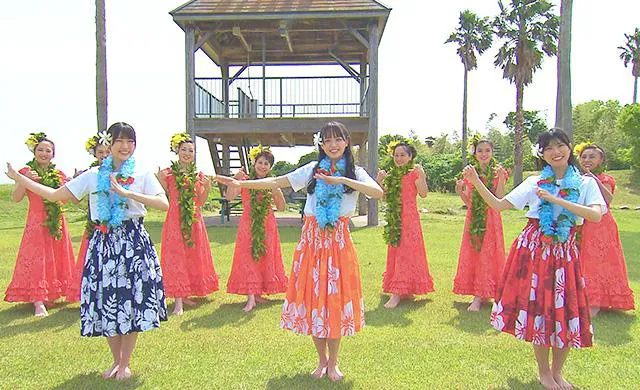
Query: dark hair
<point x="267" y="156"/>
<point x="121" y="130"/>
<point x="335" y="129"/>
<point x="409" y="148"/>
<point x="545" y="138"/>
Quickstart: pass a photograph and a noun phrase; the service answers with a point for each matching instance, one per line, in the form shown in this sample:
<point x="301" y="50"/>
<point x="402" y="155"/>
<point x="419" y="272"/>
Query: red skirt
<point x="324" y="297"/>
<point x="73" y="293"/>
<point x="541" y="297"/>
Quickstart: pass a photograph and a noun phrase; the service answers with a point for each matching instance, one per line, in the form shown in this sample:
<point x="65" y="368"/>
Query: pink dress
<point x="186" y="271"/>
<point x="407" y="269"/>
<point x="44" y="265"/>
<point x="479" y="272"/>
<point x="266" y="275"/>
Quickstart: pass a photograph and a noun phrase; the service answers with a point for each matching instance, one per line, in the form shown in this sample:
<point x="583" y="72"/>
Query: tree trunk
<point x="464" y="119"/>
<point x="101" y="66"/>
<point x="563" y="96"/>
<point x="635" y="90"/>
<point x="519" y="134"/>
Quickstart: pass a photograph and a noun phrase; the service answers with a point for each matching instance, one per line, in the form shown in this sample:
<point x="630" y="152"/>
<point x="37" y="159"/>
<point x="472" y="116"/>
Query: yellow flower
<point x="177" y="139"/>
<point x="34" y="139"/>
<point x="391" y="146"/>
<point x="90" y="145"/>
<point x="256" y="150"/>
<point x="579" y="148"/>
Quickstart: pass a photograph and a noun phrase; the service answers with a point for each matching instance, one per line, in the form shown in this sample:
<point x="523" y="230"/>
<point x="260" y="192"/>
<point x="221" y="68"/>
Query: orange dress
<point x="479" y="272"/>
<point x="407" y="269"/>
<point x="603" y="263"/>
<point x="44" y="265"/>
<point x="265" y="275"/>
<point x="186" y="271"/>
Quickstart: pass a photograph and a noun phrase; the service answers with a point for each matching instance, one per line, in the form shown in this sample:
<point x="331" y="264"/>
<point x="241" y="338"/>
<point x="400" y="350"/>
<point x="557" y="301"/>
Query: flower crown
<point x="256" y="150"/>
<point x="391" y="146"/>
<point x="473" y="144"/>
<point x="579" y="148"/>
<point x="177" y="139"/>
<point x="102" y="138"/>
<point x="34" y="139"/>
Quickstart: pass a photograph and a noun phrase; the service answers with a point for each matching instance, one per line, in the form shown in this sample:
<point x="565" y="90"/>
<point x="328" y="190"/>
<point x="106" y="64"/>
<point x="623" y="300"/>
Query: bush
<point x="442" y="170"/>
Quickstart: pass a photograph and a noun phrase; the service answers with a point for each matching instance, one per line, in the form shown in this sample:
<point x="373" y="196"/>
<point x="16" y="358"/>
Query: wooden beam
<point x="189" y="64"/>
<point x="363" y="86"/>
<point x="238" y="33"/>
<point x="356" y="34"/>
<point x="224" y="69"/>
<point x="347" y="67"/>
<point x="203" y="38"/>
<point x="372" y="102"/>
<point x="214" y="126"/>
<point x="238" y="73"/>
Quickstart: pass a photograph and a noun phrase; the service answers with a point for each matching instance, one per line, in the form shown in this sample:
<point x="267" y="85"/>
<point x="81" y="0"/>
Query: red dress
<point x="186" y="271"/>
<point x="44" y="264"/>
<point x="73" y="292"/>
<point x="603" y="264"/>
<point x="248" y="276"/>
<point x="407" y="269"/>
<point x="479" y="272"/>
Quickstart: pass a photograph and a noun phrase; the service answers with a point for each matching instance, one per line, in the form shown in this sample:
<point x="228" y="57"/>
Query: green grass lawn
<point x="431" y="343"/>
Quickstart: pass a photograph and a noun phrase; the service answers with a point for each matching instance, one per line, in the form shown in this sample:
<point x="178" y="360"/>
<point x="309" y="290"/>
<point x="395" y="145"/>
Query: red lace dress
<point x="603" y="264"/>
<point x="248" y="276"/>
<point x="479" y="272"/>
<point x="186" y="271"/>
<point x="407" y="269"/>
<point x="44" y="265"/>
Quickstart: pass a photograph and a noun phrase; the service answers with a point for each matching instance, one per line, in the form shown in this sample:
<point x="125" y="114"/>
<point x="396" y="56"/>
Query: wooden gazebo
<point x="236" y="110"/>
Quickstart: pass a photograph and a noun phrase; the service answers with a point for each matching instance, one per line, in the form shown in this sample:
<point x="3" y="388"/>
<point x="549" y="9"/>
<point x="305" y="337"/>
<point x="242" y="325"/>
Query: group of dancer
<point x="544" y="292"/>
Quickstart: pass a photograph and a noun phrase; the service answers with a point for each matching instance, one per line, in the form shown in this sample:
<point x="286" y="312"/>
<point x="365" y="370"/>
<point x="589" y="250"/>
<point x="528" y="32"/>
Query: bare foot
<point x="320" y="371"/>
<point x="548" y="382"/>
<point x="178" y="309"/>
<point x="475" y="305"/>
<point x="334" y="374"/>
<point x="111" y="372"/>
<point x="392" y="302"/>
<point x="563" y="384"/>
<point x="261" y="299"/>
<point x="123" y="374"/>
<point x="249" y="306"/>
<point x="40" y="309"/>
<point x="189" y="302"/>
<point x="594" y="311"/>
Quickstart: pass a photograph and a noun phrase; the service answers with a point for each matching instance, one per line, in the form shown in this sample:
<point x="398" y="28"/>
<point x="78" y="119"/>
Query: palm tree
<point x="101" y="66"/>
<point x="563" y="96"/>
<point x="631" y="53"/>
<point x="472" y="35"/>
<point x="529" y="30"/>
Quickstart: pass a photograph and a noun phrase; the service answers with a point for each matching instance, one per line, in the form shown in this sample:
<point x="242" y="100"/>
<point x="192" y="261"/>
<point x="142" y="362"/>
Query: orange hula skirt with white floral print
<point x="324" y="296"/>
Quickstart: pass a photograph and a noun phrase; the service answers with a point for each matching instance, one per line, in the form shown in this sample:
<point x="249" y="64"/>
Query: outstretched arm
<point x="268" y="183"/>
<point x="469" y="172"/>
<point x="278" y="199"/>
<point x="159" y="201"/>
<point x="52" y="194"/>
<point x="372" y="191"/>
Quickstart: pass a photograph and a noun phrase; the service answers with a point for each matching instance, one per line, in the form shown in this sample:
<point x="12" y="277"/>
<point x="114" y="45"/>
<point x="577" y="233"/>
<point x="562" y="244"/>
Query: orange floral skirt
<point x="324" y="296"/>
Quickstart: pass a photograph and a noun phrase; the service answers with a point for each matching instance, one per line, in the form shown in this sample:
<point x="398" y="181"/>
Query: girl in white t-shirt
<point x="324" y="296"/>
<point x="121" y="292"/>
<point x="541" y="297"/>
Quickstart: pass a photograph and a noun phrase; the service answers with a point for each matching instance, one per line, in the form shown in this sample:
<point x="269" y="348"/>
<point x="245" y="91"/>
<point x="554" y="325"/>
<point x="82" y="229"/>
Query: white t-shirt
<point x="525" y="194"/>
<point x="301" y="177"/>
<point x="87" y="182"/>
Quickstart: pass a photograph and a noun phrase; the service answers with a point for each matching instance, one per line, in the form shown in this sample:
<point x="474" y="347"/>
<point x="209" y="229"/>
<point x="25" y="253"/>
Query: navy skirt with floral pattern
<point x="121" y="283"/>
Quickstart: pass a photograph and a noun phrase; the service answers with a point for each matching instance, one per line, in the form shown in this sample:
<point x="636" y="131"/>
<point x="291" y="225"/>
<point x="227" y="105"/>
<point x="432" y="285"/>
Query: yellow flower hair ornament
<point x="256" y="150"/>
<point x="90" y="145"/>
<point x="472" y="144"/>
<point x="579" y="148"/>
<point x="391" y="146"/>
<point x="34" y="139"/>
<point x="177" y="139"/>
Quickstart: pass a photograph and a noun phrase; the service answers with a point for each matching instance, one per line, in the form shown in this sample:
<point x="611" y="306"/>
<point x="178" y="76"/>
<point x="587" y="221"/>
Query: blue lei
<point x="111" y="206"/>
<point x="329" y="196"/>
<point x="558" y="230"/>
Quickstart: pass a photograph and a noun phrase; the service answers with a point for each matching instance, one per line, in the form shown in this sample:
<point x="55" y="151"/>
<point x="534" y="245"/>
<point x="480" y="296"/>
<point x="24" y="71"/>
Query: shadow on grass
<point x="517" y="384"/>
<point x="95" y="381"/>
<point x="60" y="317"/>
<point x="227" y="314"/>
<point x="381" y="316"/>
<point x="305" y="381"/>
<point x="612" y="327"/>
<point x="471" y="322"/>
<point x="631" y="247"/>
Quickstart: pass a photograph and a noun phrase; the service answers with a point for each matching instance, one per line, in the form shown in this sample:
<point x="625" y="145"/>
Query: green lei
<point x="50" y="177"/>
<point x="260" y="206"/>
<point x="186" y="185"/>
<point x="96" y="163"/>
<point x="479" y="207"/>
<point x="393" y="197"/>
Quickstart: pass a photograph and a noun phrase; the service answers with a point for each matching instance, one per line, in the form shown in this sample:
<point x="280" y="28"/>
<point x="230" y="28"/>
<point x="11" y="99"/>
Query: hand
<point x="382" y="174"/>
<point x="545" y="195"/>
<point x="329" y="179"/>
<point x="501" y="172"/>
<point x="418" y="168"/>
<point x="241" y="175"/>
<point x="459" y="186"/>
<point x="206" y="182"/>
<point x="11" y="173"/>
<point x="117" y="188"/>
<point x="470" y="173"/>
<point x="33" y="175"/>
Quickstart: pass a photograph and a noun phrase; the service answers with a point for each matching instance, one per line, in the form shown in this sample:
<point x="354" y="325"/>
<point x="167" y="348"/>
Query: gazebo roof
<point x="293" y="31"/>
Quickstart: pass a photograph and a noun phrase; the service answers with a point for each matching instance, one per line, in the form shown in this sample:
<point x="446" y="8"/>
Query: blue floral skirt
<point x="121" y="288"/>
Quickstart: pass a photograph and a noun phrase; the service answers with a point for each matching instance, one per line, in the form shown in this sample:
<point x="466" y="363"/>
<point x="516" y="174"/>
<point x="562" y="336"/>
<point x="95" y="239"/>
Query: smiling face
<point x="101" y="152"/>
<point x="262" y="166"/>
<point x="44" y="152"/>
<point x="122" y="149"/>
<point x="186" y="153"/>
<point x="590" y="159"/>
<point x="556" y="153"/>
<point x="483" y="153"/>
<point x="401" y="156"/>
<point x="334" y="145"/>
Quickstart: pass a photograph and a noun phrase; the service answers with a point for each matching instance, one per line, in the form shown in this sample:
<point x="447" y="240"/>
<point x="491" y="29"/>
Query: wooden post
<point x="363" y="85"/>
<point x="563" y="95"/>
<point x="226" y="156"/>
<point x="101" y="66"/>
<point x="224" y="69"/>
<point x="362" y="161"/>
<point x="189" y="45"/>
<point x="264" y="75"/>
<point x="372" y="103"/>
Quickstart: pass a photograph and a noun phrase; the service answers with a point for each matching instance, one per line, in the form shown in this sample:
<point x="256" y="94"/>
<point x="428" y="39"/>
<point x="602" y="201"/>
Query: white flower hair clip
<point x="317" y="139"/>
<point x="535" y="151"/>
<point x="104" y="138"/>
